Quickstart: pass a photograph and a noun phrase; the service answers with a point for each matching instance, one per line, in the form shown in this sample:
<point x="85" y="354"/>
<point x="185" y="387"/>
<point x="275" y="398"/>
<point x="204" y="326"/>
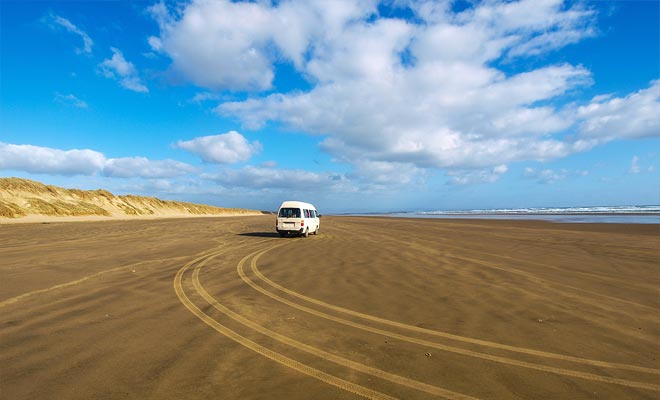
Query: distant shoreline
<point x="609" y="217"/>
<point x="603" y="217"/>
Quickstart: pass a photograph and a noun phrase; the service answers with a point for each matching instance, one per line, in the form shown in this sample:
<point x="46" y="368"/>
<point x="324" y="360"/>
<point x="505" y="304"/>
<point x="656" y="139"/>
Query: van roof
<point x="297" y="204"/>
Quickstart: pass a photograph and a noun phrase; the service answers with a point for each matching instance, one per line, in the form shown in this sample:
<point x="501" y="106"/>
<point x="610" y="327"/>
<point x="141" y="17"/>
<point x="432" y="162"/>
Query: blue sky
<point x="352" y="105"/>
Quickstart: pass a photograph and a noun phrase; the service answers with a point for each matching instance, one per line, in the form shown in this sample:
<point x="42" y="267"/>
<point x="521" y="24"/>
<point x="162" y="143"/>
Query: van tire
<point x="316" y="232"/>
<point x="306" y="232"/>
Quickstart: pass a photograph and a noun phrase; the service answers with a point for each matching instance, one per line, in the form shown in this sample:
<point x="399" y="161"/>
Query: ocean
<point x="647" y="214"/>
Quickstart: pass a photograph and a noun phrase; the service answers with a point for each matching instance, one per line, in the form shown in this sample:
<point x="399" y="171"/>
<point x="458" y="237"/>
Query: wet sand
<point x="371" y="307"/>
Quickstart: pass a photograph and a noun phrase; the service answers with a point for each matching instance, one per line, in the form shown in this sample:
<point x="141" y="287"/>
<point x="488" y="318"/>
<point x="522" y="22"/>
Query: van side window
<point x="306" y="213"/>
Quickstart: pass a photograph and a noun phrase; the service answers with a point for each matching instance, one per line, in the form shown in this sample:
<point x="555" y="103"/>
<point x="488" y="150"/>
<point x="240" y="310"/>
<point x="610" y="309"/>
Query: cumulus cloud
<point x="480" y="119"/>
<point x="411" y="94"/>
<point x="70" y="99"/>
<point x="381" y="175"/>
<point x="446" y="106"/>
<point x="123" y="71"/>
<point x="636" y="115"/>
<point x="56" y="21"/>
<point x="46" y="160"/>
<point x="227" y="148"/>
<point x="217" y="44"/>
<point x="232" y="45"/>
<point x="128" y="167"/>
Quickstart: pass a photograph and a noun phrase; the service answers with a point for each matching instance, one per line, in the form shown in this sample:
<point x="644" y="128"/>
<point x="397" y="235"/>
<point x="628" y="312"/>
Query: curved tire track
<point x="313" y="350"/>
<point x="242" y="340"/>
<point x="357" y="389"/>
<point x="504" y="360"/>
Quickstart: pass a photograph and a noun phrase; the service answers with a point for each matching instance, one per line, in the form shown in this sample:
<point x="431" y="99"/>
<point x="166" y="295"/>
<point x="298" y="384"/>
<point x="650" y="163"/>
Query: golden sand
<point x="371" y="307"/>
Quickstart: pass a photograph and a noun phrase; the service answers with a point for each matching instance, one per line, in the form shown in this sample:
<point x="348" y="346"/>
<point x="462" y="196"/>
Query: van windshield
<point x="290" y="213"/>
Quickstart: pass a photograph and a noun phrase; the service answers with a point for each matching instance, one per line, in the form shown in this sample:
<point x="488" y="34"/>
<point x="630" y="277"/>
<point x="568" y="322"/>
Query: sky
<point x="355" y="106"/>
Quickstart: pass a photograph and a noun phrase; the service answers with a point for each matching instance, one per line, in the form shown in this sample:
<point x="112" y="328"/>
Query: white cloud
<point x="636" y="115"/>
<point x="149" y="187"/>
<point x="489" y="30"/>
<point x="251" y="177"/>
<point x="639" y="165"/>
<point x="545" y="175"/>
<point x="205" y="96"/>
<point x="217" y="44"/>
<point x="546" y="24"/>
<point x="380" y="175"/>
<point x="366" y="177"/>
<point x="634" y="166"/>
<point x="155" y="43"/>
<point x="404" y="95"/>
<point x="45" y="160"/>
<point x="232" y="45"/>
<point x="475" y="176"/>
<point x="57" y="21"/>
<point x="125" y="72"/>
<point x="448" y="108"/>
<point x="269" y="164"/>
<point x="128" y="167"/>
<point x="227" y="148"/>
<point x="70" y="99"/>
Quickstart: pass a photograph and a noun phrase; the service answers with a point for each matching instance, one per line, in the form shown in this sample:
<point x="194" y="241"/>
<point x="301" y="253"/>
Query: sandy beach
<point x="372" y="307"/>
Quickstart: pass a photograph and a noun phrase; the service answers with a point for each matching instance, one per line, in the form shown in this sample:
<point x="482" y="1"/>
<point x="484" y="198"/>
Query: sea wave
<point x="644" y="209"/>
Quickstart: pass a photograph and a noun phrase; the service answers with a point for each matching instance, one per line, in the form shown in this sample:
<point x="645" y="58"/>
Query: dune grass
<point x="21" y="197"/>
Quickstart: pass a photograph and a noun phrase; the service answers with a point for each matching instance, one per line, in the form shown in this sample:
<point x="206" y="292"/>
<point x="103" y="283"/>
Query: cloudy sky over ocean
<point x="352" y="105"/>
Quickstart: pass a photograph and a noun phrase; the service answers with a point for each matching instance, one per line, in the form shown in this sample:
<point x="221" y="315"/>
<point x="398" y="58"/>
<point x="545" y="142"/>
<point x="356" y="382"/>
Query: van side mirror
<point x="319" y="215"/>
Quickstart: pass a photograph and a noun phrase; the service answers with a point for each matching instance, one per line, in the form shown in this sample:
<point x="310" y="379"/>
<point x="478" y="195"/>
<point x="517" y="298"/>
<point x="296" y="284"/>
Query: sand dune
<point x="30" y="201"/>
<point x="370" y="308"/>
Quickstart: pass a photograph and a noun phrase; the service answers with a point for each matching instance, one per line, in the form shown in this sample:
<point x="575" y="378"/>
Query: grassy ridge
<point x="21" y="197"/>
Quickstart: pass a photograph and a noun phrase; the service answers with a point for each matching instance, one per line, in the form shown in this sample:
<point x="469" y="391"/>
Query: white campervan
<point x="297" y="218"/>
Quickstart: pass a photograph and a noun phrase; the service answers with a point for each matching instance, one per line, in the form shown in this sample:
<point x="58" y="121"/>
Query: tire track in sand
<point x="259" y="349"/>
<point x="504" y="360"/>
<point x="316" y="351"/>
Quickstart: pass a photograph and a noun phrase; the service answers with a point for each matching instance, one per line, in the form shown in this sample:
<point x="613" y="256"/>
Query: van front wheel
<point x="316" y="232"/>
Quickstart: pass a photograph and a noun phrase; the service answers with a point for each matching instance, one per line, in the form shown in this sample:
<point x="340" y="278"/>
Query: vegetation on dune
<point x="21" y="197"/>
<point x="9" y="210"/>
<point x="59" y="207"/>
<point x="18" y="184"/>
<point x="129" y="209"/>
